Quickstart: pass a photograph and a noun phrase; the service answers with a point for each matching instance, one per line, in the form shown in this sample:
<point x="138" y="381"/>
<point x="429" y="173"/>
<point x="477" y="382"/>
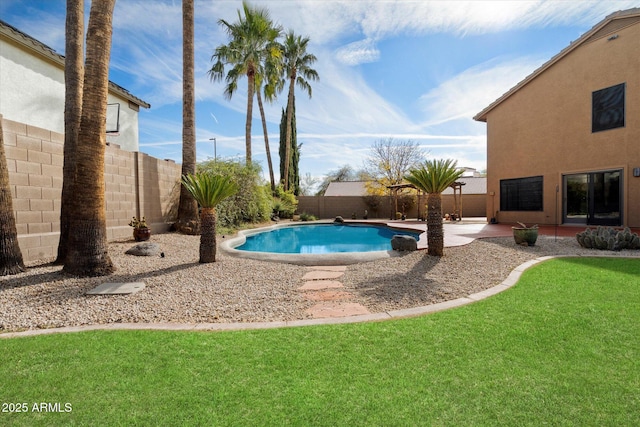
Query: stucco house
<point x="32" y="90"/>
<point x="563" y="145"/>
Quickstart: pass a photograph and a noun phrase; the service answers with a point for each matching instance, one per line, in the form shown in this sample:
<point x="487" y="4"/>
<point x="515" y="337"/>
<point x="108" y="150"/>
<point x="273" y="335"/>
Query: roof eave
<point x="482" y="115"/>
<point x="39" y="48"/>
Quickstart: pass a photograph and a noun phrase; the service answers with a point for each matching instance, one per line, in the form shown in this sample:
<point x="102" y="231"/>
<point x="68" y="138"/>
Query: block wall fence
<point x="136" y="184"/>
<point x="473" y="205"/>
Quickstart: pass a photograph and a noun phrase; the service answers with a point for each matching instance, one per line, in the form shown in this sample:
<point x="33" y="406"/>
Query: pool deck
<point x="463" y="232"/>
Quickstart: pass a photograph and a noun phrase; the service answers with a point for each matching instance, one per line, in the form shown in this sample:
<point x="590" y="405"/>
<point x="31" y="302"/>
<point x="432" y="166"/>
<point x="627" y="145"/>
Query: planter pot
<point x="141" y="234"/>
<point x="524" y="236"/>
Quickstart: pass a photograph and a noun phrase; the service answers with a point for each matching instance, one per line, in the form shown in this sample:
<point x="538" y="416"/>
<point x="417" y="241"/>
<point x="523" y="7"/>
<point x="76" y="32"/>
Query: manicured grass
<point x="560" y="348"/>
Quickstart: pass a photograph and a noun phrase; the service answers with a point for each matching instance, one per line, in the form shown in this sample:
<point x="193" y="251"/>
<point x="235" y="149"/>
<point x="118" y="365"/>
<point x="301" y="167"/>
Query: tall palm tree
<point x="433" y="177"/>
<point x="87" y="254"/>
<point x="11" y="261"/>
<point x="73" y="81"/>
<point x="187" y="221"/>
<point x="265" y="131"/>
<point x="209" y="190"/>
<point x="250" y="39"/>
<point x="297" y="68"/>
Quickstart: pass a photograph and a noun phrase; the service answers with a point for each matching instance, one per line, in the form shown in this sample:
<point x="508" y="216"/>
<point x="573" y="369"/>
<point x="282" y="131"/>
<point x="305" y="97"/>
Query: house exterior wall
<point x="544" y="128"/>
<point x="136" y="184"/>
<point x="32" y="88"/>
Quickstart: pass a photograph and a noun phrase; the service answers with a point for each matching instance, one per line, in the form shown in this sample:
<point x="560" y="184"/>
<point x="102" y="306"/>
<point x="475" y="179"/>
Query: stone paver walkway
<point x="320" y="286"/>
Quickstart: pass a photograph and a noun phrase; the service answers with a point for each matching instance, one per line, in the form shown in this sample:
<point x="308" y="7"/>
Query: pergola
<point x="457" y="199"/>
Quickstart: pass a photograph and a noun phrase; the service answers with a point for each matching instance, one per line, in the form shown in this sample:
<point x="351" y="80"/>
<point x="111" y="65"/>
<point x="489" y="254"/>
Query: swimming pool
<point x="323" y="239"/>
<point x="317" y="244"/>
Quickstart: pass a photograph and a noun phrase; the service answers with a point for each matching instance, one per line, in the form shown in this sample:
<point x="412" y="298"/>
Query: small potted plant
<point x="141" y="232"/>
<point x="524" y="235"/>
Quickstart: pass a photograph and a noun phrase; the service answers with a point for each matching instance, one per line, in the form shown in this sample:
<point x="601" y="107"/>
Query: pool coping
<point x="507" y="283"/>
<point x="340" y="258"/>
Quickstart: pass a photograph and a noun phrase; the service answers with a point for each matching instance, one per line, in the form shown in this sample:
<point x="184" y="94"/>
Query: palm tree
<point x="297" y="68"/>
<point x="269" y="96"/>
<point x="251" y="39"/>
<point x="73" y="76"/>
<point x="87" y="254"/>
<point x="187" y="221"/>
<point x="433" y="177"/>
<point x="209" y="190"/>
<point x="10" y="255"/>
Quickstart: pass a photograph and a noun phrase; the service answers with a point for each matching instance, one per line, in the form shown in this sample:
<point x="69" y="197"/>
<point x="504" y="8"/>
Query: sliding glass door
<point x="593" y="198"/>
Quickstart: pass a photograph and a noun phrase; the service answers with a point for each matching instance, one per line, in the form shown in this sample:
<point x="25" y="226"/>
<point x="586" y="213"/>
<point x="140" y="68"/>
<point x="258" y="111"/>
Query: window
<point x="608" y="108"/>
<point x="521" y="194"/>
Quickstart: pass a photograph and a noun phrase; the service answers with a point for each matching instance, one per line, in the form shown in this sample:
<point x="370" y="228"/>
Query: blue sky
<point x="406" y="69"/>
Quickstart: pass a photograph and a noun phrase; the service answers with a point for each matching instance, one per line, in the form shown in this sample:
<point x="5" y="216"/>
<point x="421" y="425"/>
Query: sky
<point x="402" y="69"/>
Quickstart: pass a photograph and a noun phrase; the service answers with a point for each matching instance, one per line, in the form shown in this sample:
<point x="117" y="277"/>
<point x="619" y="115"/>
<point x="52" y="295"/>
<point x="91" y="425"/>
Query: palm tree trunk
<point x="208" y="236"/>
<point x="266" y="142"/>
<point x="287" y="148"/>
<point x="10" y="255"/>
<point x="187" y="221"/>
<point x="88" y="251"/>
<point x="435" y="234"/>
<point x="73" y="76"/>
<point x="250" y="92"/>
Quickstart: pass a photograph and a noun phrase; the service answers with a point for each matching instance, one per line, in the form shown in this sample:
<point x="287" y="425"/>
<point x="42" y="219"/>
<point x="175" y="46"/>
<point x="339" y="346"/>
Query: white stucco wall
<point x="32" y="92"/>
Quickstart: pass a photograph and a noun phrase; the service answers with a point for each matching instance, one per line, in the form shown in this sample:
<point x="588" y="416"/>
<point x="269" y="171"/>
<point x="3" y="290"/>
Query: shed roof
<point x="36" y="47"/>
<point x="610" y="24"/>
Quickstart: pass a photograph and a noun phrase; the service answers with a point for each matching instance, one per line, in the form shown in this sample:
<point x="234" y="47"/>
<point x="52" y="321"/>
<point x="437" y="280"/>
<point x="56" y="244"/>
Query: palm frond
<point x="209" y="189"/>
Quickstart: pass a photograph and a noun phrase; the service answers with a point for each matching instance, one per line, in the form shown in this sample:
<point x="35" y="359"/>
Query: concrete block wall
<point x="136" y="184"/>
<point x="473" y="205"/>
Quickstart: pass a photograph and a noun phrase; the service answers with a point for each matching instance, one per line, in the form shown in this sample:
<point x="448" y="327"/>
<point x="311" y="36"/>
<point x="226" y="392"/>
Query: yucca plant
<point x="433" y="177"/>
<point x="208" y="190"/>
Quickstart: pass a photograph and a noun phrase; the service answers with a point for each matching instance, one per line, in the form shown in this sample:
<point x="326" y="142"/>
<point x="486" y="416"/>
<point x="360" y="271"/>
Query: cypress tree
<point x="294" y="172"/>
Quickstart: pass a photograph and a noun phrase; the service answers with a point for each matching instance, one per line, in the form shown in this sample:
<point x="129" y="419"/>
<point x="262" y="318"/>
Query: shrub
<point x="307" y="217"/>
<point x="284" y="203"/>
<point x="252" y="202"/>
<point x="608" y="238"/>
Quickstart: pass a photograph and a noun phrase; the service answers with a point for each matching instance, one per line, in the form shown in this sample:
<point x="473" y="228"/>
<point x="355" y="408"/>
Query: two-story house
<point x="563" y="145"/>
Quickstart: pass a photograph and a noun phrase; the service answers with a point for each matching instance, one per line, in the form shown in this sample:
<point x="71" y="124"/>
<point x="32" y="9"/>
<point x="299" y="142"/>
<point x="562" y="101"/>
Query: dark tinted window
<point x="521" y="194"/>
<point x="608" y="108"/>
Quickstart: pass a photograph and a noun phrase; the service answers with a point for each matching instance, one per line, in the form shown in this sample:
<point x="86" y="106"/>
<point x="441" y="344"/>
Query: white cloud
<point x="358" y="53"/>
<point x="466" y="94"/>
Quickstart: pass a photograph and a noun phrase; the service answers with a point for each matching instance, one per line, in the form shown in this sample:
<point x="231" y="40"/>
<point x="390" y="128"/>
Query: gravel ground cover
<point x="179" y="289"/>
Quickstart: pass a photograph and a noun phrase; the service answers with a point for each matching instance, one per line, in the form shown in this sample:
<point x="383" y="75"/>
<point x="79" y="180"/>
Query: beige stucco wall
<point x="32" y="92"/>
<point x="544" y="128"/>
<point x="135" y="184"/>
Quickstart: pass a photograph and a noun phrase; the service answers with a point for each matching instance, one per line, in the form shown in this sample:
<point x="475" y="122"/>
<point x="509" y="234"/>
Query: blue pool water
<point x="323" y="239"/>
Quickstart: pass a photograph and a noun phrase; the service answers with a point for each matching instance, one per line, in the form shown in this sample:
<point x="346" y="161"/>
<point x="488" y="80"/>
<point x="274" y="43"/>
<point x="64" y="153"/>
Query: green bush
<point x="307" y="217"/>
<point x="284" y="203"/>
<point x="252" y="202"/>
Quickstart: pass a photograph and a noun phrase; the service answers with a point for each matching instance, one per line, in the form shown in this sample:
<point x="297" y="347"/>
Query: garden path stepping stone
<point x="328" y="268"/>
<point x="315" y="285"/>
<point x="330" y="295"/>
<point x="322" y="275"/>
<point x="117" y="288"/>
<point x="337" y="309"/>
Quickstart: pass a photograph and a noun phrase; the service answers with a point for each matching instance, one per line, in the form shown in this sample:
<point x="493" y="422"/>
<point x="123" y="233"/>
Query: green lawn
<point x="560" y="348"/>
